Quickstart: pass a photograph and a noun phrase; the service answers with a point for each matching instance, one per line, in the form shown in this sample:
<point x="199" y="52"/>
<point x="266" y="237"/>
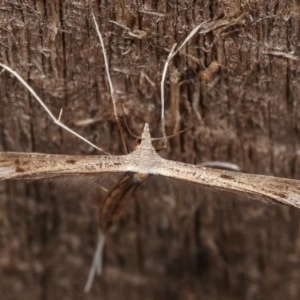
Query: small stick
<point x="288" y="55"/>
<point x="111" y="87"/>
<point x="47" y="110"/>
<point x="206" y="27"/>
<point x="172" y="53"/>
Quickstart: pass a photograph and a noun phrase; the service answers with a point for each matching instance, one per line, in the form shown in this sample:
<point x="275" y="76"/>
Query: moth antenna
<point x="172" y="53"/>
<point x="162" y="94"/>
<point x="55" y="120"/>
<point x="60" y="114"/>
<point x="111" y="87"/>
<point x="96" y="267"/>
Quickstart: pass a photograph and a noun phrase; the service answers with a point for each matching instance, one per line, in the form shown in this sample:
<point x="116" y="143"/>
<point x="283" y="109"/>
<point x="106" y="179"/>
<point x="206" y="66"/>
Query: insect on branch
<point x="140" y="163"/>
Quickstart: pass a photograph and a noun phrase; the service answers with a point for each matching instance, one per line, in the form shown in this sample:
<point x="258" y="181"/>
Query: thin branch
<point x="111" y="87"/>
<point x="172" y="53"/>
<point x="288" y="55"/>
<point x="206" y="27"/>
<point x="47" y="110"/>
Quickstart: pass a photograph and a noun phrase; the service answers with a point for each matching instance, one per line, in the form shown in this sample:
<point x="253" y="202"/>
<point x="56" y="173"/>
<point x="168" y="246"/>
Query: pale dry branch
<point x="205" y="27"/>
<point x="287" y="55"/>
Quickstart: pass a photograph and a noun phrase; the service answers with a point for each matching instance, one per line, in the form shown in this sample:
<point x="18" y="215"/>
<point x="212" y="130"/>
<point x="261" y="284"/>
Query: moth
<point x="145" y="161"/>
<point x="138" y="165"/>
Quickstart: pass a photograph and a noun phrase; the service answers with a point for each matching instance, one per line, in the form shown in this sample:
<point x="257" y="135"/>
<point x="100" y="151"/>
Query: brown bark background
<point x="176" y="241"/>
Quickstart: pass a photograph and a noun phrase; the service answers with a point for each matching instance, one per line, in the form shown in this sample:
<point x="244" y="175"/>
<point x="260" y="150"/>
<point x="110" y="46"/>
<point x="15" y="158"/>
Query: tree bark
<point x="234" y="88"/>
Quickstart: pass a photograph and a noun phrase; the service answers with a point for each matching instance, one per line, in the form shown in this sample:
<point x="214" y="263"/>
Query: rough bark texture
<point x="176" y="241"/>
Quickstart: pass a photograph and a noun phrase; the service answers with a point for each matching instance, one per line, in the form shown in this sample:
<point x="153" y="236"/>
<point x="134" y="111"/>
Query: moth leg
<point x="97" y="263"/>
<point x="223" y="165"/>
